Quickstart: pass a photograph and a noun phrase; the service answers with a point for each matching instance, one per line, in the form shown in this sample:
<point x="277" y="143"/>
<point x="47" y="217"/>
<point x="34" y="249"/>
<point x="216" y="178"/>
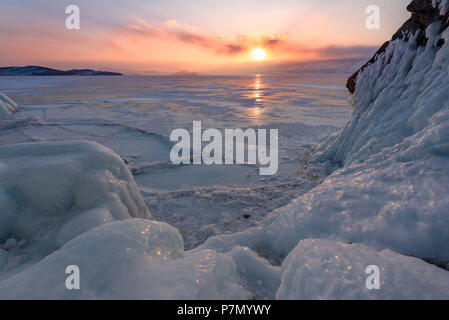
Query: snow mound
<point x="130" y="259"/>
<point x="51" y="192"/>
<point x="7" y="106"/>
<point x="323" y="269"/>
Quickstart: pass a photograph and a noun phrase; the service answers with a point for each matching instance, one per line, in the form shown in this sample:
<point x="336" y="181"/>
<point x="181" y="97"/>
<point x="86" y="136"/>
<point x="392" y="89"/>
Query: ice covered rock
<point x="392" y="186"/>
<point x="392" y="189"/>
<point x="323" y="269"/>
<point x="424" y="13"/>
<point x="443" y="5"/>
<point x="51" y="192"/>
<point x="7" y="106"/>
<point x="130" y="259"/>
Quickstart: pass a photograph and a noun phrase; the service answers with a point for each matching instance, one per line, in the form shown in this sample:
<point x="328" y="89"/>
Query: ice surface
<point x="134" y="116"/>
<point x="7" y="106"/>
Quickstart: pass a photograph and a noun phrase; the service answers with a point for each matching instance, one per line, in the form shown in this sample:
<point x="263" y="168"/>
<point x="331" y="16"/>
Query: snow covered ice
<point x="7" y="106"/>
<point x="134" y="116"/>
<point x="352" y="191"/>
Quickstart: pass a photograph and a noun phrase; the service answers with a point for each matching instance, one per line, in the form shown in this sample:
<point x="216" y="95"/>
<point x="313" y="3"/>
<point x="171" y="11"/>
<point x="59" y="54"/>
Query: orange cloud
<point x="279" y="45"/>
<point x="143" y="46"/>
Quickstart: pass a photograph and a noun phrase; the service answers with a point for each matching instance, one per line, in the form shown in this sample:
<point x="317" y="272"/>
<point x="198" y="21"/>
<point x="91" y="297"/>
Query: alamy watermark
<point x="73" y="21"/>
<point x="190" y="150"/>
<point x="72" y="282"/>
<point x="373" y="281"/>
<point x="373" y="20"/>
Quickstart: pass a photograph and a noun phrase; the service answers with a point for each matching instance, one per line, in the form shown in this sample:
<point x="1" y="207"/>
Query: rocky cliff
<point x="424" y="13"/>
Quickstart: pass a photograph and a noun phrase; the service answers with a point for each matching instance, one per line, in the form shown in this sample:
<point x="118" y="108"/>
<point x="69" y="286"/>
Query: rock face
<point x="423" y="14"/>
<point x="43" y="71"/>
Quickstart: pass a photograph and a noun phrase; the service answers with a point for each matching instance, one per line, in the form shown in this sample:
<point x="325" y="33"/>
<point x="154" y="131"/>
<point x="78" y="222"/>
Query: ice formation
<point x="61" y="202"/>
<point x="51" y="192"/>
<point x="323" y="269"/>
<point x="130" y="259"/>
<point x="7" y="106"/>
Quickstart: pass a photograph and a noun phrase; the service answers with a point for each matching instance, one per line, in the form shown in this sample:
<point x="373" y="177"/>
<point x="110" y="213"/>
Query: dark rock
<point x="443" y="264"/>
<point x="423" y="14"/>
<point x="352" y="80"/>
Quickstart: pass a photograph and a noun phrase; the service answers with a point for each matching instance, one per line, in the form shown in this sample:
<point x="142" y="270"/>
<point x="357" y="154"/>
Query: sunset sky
<point x="192" y="35"/>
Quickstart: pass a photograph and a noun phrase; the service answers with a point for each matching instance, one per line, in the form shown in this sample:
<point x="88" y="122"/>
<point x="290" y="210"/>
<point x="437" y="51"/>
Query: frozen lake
<point x="134" y="116"/>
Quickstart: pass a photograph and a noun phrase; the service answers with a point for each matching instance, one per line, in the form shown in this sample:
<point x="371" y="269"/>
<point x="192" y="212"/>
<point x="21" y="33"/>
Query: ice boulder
<point x="130" y="259"/>
<point x="323" y="269"/>
<point x="51" y="192"/>
<point x="7" y="106"/>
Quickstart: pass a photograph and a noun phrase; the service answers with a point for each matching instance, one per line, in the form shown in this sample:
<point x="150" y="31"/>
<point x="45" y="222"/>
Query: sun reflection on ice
<point x="256" y="112"/>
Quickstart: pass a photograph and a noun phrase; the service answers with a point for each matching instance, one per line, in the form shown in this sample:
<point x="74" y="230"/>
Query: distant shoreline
<point x="29" y="71"/>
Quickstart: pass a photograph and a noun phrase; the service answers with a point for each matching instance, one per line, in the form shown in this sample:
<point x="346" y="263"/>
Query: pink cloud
<point x="231" y="45"/>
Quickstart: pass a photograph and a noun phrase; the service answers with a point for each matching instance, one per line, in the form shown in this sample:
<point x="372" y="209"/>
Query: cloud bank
<point x="278" y="44"/>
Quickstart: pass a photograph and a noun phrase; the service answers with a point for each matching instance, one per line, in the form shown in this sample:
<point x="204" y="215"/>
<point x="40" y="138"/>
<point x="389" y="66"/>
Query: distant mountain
<point x="43" y="71"/>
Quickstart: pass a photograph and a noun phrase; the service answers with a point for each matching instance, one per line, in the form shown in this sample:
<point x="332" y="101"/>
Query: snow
<point x="7" y="106"/>
<point x="130" y="259"/>
<point x="323" y="269"/>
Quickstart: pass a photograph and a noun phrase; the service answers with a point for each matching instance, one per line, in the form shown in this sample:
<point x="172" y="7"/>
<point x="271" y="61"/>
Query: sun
<point x="258" y="54"/>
